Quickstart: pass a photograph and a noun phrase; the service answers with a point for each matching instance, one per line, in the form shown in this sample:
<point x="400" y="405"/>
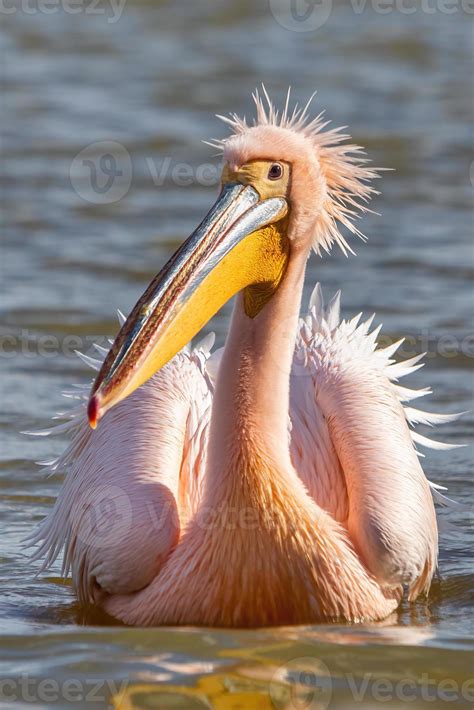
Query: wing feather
<point x="353" y="446"/>
<point x="131" y="485"/>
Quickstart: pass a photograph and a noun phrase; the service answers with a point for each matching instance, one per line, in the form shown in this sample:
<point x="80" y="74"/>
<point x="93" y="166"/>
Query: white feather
<point x="325" y="347"/>
<point x="432" y="444"/>
<point x="90" y="361"/>
<point x="121" y="317"/>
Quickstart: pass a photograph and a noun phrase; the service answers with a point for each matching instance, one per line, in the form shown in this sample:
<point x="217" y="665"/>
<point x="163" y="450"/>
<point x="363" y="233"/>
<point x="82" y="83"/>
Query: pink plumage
<point x="275" y="481"/>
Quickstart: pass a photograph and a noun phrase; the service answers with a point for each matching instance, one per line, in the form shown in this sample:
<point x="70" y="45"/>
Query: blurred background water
<point x="150" y="75"/>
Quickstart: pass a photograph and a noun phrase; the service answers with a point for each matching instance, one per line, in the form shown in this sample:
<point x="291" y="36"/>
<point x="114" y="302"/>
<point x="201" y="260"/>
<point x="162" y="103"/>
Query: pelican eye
<point x="275" y="172"/>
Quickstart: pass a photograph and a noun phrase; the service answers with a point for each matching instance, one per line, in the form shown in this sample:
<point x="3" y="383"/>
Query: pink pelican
<point x="275" y="481"/>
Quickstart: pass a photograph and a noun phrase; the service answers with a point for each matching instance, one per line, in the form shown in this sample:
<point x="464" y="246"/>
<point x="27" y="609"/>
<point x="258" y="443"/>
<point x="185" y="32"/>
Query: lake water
<point x="150" y="76"/>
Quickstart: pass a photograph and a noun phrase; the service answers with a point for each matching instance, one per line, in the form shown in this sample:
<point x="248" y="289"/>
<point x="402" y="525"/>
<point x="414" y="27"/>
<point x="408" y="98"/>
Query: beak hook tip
<point x="93" y="411"/>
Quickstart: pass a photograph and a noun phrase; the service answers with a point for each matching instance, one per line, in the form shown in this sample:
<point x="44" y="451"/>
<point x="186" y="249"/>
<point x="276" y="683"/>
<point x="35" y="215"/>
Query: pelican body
<point x="274" y="481"/>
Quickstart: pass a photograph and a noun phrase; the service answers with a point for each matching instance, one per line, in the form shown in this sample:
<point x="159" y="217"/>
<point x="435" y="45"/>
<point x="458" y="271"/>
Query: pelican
<point x="274" y="481"/>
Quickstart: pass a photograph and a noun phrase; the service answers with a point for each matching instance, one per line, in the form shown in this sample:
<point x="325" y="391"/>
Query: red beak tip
<point x="93" y="411"/>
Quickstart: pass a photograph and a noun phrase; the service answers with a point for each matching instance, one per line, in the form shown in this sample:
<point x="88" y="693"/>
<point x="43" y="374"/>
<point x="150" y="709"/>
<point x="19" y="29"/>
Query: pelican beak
<point x="240" y="243"/>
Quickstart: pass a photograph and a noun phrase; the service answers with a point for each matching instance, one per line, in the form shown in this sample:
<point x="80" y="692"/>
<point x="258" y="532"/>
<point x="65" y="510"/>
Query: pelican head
<point x="286" y="185"/>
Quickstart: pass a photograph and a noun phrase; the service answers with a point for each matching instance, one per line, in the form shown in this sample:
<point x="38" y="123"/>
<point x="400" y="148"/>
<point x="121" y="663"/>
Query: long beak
<point x="238" y="244"/>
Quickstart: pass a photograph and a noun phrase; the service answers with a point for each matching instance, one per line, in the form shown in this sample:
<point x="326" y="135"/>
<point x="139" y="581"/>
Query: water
<point x="152" y="81"/>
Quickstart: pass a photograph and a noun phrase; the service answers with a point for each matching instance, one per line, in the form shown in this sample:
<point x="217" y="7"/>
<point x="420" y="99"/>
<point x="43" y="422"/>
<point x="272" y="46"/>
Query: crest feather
<point x="342" y="164"/>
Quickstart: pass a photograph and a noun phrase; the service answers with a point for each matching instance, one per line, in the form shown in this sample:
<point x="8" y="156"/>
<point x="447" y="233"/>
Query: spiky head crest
<point x="329" y="183"/>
